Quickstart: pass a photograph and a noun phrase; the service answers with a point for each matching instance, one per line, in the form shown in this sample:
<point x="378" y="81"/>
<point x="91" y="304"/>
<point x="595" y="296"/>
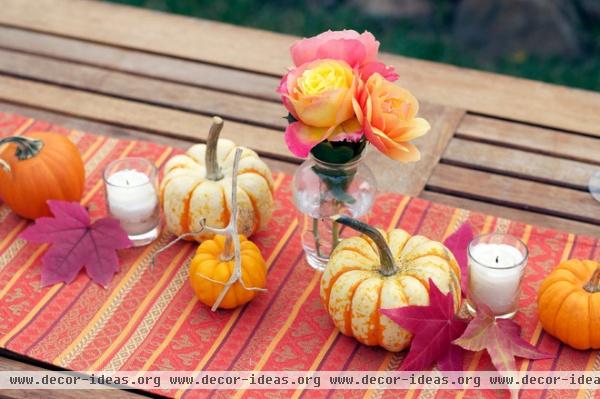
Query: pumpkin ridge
<point x="348" y="310"/>
<point x="590" y="308"/>
<point x="53" y="158"/>
<point x="253" y="171"/>
<point x="359" y="252"/>
<point x="453" y="276"/>
<point x="573" y="290"/>
<point x="342" y="271"/>
<point x="50" y="172"/>
<point x="255" y="211"/>
<point x="376" y="316"/>
<point x="399" y="278"/>
<point x="225" y="213"/>
<point x="418" y="278"/>
<point x="184" y="220"/>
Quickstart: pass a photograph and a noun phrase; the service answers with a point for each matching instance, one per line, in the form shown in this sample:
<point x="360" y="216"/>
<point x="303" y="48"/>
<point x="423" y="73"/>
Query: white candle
<point x="495" y="272"/>
<point x="133" y="200"/>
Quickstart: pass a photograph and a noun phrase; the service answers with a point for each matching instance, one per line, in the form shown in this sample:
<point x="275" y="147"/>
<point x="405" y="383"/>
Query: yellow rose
<point x="319" y="95"/>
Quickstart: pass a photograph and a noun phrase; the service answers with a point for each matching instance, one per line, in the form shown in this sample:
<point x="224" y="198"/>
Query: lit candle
<point x="131" y="197"/>
<point x="496" y="265"/>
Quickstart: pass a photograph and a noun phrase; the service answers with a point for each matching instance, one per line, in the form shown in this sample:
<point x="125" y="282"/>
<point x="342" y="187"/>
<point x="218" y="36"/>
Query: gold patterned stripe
<point x="142" y="329"/>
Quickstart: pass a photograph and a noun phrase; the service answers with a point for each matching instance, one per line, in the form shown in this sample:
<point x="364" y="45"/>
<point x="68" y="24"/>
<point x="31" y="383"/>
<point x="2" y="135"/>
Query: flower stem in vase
<point x="335" y="235"/>
<point x="315" y="226"/>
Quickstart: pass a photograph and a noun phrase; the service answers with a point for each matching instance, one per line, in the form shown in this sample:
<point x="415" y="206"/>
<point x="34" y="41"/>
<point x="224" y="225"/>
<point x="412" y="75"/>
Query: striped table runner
<point x="150" y="320"/>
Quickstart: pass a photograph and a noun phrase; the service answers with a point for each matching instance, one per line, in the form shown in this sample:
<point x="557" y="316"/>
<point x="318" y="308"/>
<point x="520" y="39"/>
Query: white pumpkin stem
<point x="594" y="284"/>
<point x="388" y="266"/>
<point x="213" y="170"/>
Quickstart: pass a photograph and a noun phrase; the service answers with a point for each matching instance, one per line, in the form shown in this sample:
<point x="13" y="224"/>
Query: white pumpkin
<point x="382" y="270"/>
<point x="197" y="186"/>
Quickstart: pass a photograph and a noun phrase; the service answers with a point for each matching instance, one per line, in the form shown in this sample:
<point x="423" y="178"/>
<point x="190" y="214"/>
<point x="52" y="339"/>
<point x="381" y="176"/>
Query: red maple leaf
<point x="77" y="243"/>
<point x="500" y="337"/>
<point x="458" y="244"/>
<point x="434" y="327"/>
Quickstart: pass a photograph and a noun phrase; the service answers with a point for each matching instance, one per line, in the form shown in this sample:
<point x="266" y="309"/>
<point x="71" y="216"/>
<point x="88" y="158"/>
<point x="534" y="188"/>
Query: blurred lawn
<point x="431" y="40"/>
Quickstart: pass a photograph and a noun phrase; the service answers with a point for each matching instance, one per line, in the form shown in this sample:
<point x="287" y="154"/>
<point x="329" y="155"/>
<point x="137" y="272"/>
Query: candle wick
<point x="497" y="259"/>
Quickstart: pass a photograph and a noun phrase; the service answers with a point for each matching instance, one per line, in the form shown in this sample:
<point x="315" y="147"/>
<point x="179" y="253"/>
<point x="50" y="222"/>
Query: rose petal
<point x="388" y="72"/>
<point x="300" y="138"/>
<point x="351" y="51"/>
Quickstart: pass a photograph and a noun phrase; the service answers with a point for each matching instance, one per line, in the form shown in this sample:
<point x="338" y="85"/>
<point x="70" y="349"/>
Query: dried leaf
<point x="434" y="327"/>
<point x="76" y="242"/>
<point x="458" y="244"/>
<point x="500" y="337"/>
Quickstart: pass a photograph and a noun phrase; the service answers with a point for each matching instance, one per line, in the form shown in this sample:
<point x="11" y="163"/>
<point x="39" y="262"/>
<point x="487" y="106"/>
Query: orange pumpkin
<point x="379" y="271"/>
<point x="569" y="303"/>
<point x="38" y="167"/>
<point x="213" y="265"/>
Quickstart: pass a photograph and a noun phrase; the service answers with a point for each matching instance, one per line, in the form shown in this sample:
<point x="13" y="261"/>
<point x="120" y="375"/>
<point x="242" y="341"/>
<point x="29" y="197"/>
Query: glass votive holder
<point x="131" y="192"/>
<point x="496" y="267"/>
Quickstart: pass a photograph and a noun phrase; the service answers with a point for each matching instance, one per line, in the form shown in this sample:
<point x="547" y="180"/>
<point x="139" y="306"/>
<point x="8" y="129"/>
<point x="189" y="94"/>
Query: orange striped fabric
<point x="149" y="319"/>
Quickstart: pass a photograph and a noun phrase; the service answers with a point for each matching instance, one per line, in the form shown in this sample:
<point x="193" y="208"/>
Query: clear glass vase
<point x="322" y="190"/>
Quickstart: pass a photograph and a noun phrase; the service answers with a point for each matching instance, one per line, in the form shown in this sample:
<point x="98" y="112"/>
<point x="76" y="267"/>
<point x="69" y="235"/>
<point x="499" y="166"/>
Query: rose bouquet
<point x="339" y="94"/>
<point x="339" y="98"/>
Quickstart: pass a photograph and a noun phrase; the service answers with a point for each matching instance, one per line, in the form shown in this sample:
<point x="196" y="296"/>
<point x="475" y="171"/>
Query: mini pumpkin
<point x="37" y="167"/>
<point x="214" y="260"/>
<point x="196" y="187"/>
<point x="569" y="303"/>
<point x="381" y="270"/>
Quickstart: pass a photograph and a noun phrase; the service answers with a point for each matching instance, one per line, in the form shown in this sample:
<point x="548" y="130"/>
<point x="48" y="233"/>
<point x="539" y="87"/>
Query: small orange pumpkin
<point x="38" y="167"/>
<point x="569" y="303"/>
<point x="213" y="265"/>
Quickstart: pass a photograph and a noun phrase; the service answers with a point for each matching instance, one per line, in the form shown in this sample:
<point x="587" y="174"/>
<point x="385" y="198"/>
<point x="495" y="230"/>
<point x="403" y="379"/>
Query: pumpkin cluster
<point x="213" y="193"/>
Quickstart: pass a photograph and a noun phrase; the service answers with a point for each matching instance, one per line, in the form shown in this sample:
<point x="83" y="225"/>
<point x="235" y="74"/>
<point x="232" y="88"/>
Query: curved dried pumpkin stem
<point x="26" y="148"/>
<point x="213" y="170"/>
<point x="594" y="284"/>
<point x="232" y="235"/>
<point x="388" y="266"/>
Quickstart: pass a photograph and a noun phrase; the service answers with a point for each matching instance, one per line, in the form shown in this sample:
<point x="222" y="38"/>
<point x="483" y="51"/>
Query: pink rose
<point x="357" y="50"/>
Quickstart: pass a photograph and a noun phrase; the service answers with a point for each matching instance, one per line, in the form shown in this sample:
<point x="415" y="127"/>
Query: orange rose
<point x="387" y="115"/>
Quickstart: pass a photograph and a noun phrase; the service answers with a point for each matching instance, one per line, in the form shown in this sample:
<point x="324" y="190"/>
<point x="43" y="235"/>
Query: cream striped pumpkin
<point x="381" y="270"/>
<point x="197" y="185"/>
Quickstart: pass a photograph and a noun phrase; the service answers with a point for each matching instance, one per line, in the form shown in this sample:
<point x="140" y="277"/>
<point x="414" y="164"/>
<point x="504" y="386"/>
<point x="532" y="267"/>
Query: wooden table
<point x="515" y="148"/>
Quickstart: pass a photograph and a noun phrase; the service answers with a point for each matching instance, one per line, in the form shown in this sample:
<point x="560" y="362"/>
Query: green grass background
<point x="431" y="40"/>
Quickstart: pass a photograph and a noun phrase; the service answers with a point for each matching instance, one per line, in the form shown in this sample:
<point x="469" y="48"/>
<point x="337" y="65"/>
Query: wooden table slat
<point x="521" y="164"/>
<point x="151" y="118"/>
<point x="265" y="52"/>
<point x="192" y="73"/>
<point x="156" y="92"/>
<point x="510" y="191"/>
<point x="544" y="141"/>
